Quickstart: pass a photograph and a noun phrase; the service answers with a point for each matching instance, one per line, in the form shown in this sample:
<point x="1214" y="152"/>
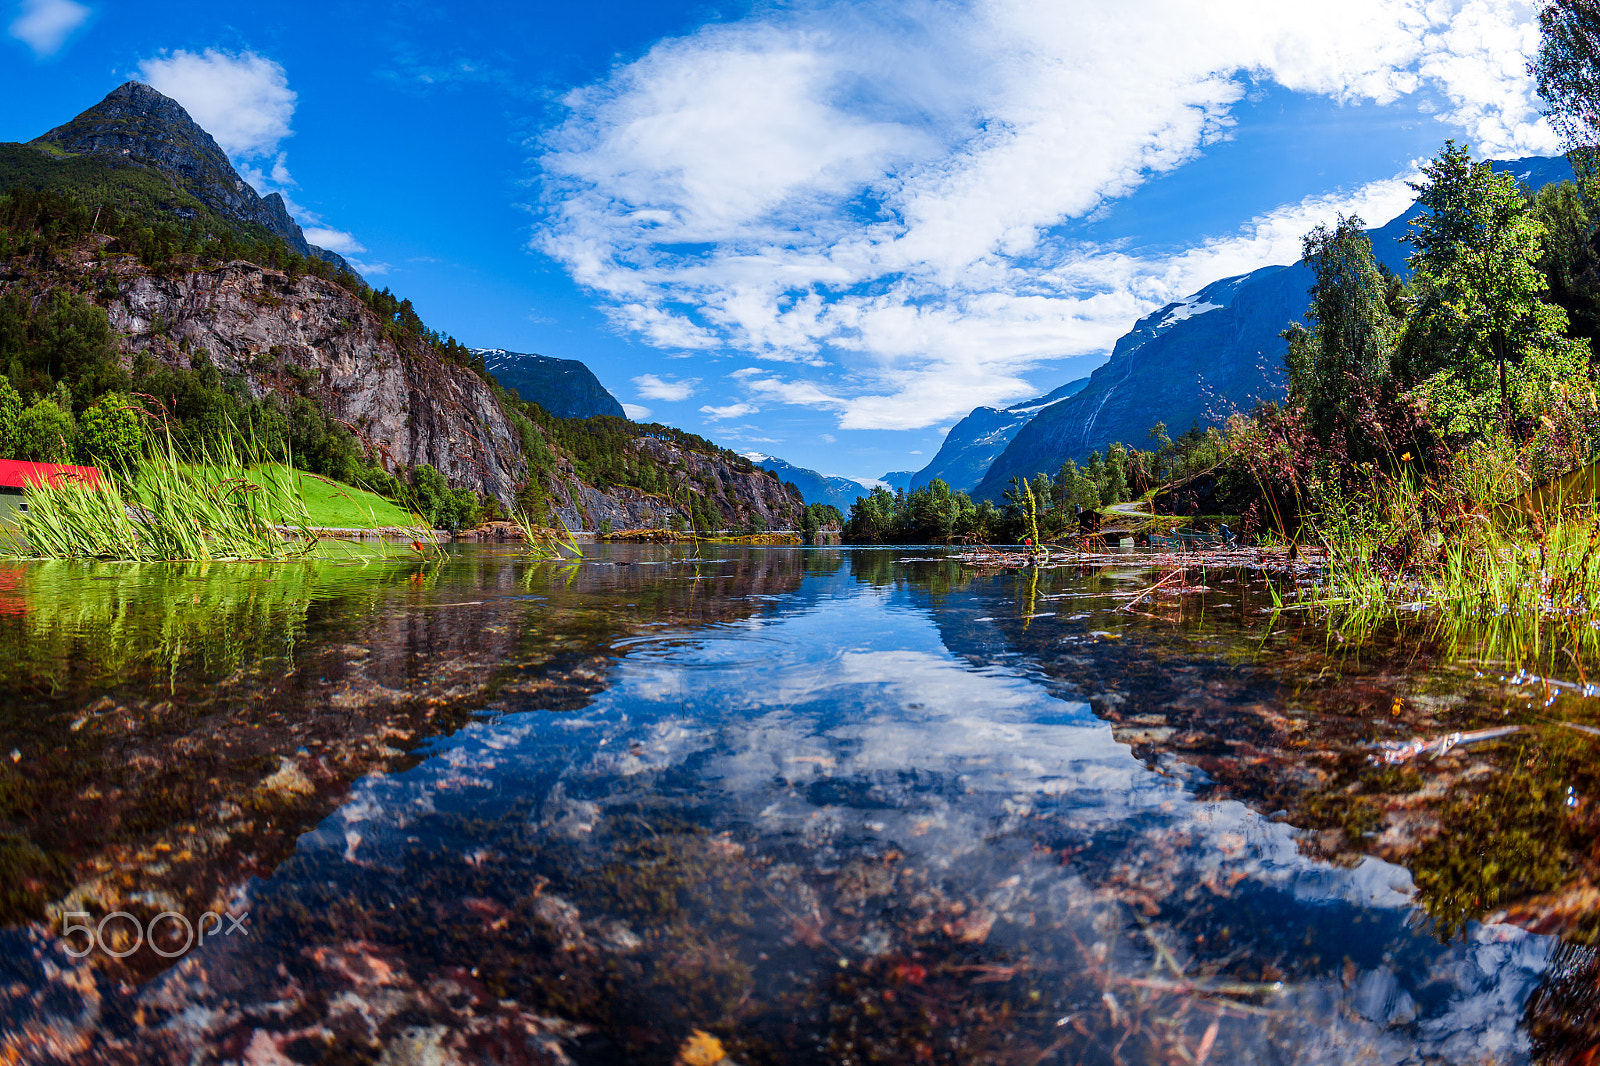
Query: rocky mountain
<point x="731" y="496"/>
<point x="1197" y="360"/>
<point x="564" y="387"/>
<point x="973" y="444"/>
<point x="307" y="336"/>
<point x="841" y="492"/>
<point x="135" y="123"/>
<point x="311" y="337"/>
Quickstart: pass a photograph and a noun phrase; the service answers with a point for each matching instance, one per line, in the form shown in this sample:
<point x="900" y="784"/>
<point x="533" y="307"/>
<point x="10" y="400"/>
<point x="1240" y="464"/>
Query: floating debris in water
<point x="1391" y="752"/>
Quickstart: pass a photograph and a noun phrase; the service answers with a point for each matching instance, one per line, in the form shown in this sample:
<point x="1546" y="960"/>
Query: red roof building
<point x="15" y="474"/>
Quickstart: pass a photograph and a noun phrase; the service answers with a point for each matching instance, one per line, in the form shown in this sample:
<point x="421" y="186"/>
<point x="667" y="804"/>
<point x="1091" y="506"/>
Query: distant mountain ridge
<point x="841" y="492"/>
<point x="1198" y="359"/>
<point x="975" y="442"/>
<point x="898" y="479"/>
<point x="135" y="122"/>
<point x="565" y="387"/>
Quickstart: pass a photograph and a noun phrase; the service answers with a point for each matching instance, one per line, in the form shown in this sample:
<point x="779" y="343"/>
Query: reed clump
<point x="544" y="542"/>
<point x="1502" y="582"/>
<point x="207" y="504"/>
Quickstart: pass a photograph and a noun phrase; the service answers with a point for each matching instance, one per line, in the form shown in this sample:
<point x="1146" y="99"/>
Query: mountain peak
<point x="141" y="124"/>
<point x="564" y="387"/>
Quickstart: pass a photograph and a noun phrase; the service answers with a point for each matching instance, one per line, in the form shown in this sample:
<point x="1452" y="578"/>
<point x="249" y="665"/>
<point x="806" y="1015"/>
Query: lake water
<point x="770" y="806"/>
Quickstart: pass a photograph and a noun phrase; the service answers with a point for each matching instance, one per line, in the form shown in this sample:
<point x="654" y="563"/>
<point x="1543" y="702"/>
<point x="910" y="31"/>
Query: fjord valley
<point x="147" y="290"/>
<point x="383" y="693"/>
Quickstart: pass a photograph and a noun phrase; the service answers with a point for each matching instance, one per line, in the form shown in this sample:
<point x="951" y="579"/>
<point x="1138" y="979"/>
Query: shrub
<point x="109" y="432"/>
<point x="10" y="415"/>
<point x="44" y="433"/>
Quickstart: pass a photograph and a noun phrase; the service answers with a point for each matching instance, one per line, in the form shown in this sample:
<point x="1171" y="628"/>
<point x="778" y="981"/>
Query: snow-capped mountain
<point x="814" y="487"/>
<point x="978" y="439"/>
<point x="564" y="387"/>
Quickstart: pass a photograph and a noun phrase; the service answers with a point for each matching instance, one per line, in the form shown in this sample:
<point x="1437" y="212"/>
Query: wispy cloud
<point x="635" y="412"/>
<point x="732" y="410"/>
<point x="45" y="25"/>
<point x="654" y="387"/>
<point x="872" y="192"/>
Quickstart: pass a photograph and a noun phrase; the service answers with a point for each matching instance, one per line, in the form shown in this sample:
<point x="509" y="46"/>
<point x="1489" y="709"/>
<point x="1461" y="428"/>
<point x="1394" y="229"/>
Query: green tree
<point x="1116" y="474"/>
<point x="10" y="415"/>
<point x="1094" y="496"/>
<point x="1477" y="291"/>
<point x="931" y="513"/>
<point x="1567" y="74"/>
<point x="1566" y="259"/>
<point x="1351" y="342"/>
<point x="109" y="432"/>
<point x="872" y="517"/>
<point x="44" y="433"/>
<point x="1067" y="479"/>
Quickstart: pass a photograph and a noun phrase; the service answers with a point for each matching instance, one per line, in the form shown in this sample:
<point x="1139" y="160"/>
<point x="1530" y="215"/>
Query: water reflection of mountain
<point x="826" y="809"/>
<point x="174" y="729"/>
<point x="842" y="826"/>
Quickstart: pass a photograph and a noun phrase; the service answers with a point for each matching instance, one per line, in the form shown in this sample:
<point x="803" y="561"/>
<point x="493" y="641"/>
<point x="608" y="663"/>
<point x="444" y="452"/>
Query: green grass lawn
<point x="335" y="505"/>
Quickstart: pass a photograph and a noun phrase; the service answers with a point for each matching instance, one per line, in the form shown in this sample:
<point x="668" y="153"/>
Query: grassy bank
<point x="1496" y="582"/>
<point x="212" y="504"/>
<point x="332" y="504"/>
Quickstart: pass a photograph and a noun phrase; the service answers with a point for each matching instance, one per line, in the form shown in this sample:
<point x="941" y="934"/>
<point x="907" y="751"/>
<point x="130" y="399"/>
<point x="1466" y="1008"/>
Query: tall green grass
<point x="208" y="504"/>
<point x="1406" y="549"/>
<point x="543" y="542"/>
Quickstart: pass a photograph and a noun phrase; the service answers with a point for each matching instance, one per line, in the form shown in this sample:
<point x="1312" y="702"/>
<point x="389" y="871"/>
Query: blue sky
<point x="819" y="230"/>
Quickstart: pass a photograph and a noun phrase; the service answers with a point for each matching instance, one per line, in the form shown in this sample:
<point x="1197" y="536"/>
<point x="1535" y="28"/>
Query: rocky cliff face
<point x="306" y="335"/>
<point x="310" y="337"/>
<point x="733" y="495"/>
<point x="135" y="122"/>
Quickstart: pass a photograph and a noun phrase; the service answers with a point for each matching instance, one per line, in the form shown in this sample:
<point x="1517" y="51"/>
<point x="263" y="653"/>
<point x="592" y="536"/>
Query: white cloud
<point x="334" y="240"/>
<point x="45" y="25"/>
<point x="1478" y="57"/>
<point x="653" y="387"/>
<point x="872" y="190"/>
<point x="635" y="412"/>
<point x="242" y="99"/>
<point x="732" y="410"/>
<point x="801" y="393"/>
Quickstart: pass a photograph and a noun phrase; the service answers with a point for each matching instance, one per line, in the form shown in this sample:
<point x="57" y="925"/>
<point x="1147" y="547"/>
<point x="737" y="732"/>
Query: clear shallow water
<point x="817" y="805"/>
